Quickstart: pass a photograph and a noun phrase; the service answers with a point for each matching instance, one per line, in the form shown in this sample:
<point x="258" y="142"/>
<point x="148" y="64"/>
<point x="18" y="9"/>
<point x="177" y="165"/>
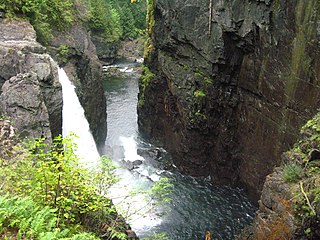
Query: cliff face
<point x="85" y="71"/>
<point x="31" y="93"/>
<point x="234" y="81"/>
<point x="289" y="207"/>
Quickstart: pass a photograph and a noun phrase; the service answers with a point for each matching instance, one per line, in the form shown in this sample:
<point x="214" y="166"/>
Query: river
<point x="196" y="204"/>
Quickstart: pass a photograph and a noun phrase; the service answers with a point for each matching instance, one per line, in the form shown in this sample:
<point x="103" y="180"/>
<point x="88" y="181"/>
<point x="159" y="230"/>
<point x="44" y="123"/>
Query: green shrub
<point x="43" y="15"/>
<point x="292" y="172"/>
<point x="53" y="176"/>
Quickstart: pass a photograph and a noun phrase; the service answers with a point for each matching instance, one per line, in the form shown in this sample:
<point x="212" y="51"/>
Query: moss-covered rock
<point x="289" y="207"/>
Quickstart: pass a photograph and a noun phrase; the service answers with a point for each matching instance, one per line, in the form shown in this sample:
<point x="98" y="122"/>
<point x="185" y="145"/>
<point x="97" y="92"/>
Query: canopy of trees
<point x="112" y="19"/>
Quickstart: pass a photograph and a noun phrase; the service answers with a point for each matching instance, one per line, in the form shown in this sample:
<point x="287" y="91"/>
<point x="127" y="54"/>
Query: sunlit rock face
<point x="234" y="81"/>
<point x="30" y="92"/>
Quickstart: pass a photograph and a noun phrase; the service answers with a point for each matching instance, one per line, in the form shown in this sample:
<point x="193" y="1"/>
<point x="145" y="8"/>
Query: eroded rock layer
<point x="233" y="82"/>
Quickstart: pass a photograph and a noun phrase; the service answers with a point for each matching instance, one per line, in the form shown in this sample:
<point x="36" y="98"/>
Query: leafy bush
<point x="53" y="176"/>
<point x="43" y="15"/>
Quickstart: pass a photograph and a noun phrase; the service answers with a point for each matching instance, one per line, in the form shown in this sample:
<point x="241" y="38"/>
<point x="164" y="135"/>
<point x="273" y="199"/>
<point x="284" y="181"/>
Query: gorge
<point x="225" y="89"/>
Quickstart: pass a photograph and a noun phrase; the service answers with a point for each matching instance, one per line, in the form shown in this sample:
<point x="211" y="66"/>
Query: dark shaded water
<point x="196" y="204"/>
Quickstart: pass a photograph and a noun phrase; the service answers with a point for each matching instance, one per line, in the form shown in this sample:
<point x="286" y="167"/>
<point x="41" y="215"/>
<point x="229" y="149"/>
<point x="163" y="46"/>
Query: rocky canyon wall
<point x="31" y="93"/>
<point x="230" y="82"/>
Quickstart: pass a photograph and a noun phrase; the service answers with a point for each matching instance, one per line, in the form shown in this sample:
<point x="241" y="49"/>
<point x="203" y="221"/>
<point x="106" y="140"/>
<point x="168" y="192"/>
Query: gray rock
<point x="229" y="92"/>
<point x="30" y="90"/>
<point x="23" y="101"/>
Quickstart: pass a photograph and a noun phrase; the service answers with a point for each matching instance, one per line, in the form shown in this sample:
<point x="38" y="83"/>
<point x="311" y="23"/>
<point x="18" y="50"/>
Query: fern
<point x="34" y="222"/>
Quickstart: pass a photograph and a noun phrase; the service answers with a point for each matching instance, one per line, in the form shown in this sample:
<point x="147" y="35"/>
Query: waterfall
<point x="74" y="121"/>
<point x="130" y="148"/>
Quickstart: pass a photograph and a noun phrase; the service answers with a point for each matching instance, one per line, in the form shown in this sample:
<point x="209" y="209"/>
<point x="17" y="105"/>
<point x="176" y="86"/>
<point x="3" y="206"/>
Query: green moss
<point x="63" y="52"/>
<point x="276" y="6"/>
<point x="202" y="77"/>
<point x="144" y="82"/>
<point x="200" y="115"/>
<point x="305" y="28"/>
<point x="149" y="48"/>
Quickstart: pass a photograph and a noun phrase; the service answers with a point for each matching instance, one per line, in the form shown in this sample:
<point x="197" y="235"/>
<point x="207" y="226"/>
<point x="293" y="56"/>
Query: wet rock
<point x="131" y="165"/>
<point x="229" y="91"/>
<point x="22" y="100"/>
<point x="107" y="52"/>
<point x="131" y="49"/>
<point x="131" y="234"/>
<point x="283" y="210"/>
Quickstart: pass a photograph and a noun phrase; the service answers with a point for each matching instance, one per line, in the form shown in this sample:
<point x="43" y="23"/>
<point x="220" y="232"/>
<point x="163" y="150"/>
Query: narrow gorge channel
<point x="196" y="204"/>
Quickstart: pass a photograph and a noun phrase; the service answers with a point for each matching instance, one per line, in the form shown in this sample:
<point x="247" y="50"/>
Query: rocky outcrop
<point x="85" y="71"/>
<point x="107" y="52"/>
<point x="234" y="81"/>
<point x="31" y="93"/>
<point x="289" y="207"/>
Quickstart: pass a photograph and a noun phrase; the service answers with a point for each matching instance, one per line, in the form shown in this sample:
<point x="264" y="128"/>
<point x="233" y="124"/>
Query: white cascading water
<point x="74" y="121"/>
<point x="135" y="208"/>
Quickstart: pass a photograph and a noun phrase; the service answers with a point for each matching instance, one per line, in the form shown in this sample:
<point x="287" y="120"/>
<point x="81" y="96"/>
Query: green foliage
<point x="162" y="190"/>
<point x="32" y="221"/>
<point x="63" y="52"/>
<point x="132" y="17"/>
<point x="149" y="48"/>
<point x="199" y="93"/>
<point x="292" y="172"/>
<point x="144" y="81"/>
<point x="111" y="19"/>
<point x="115" y="20"/>
<point x="52" y="176"/>
<point x="307" y="200"/>
<point x="44" y="15"/>
<point x="105" y="20"/>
